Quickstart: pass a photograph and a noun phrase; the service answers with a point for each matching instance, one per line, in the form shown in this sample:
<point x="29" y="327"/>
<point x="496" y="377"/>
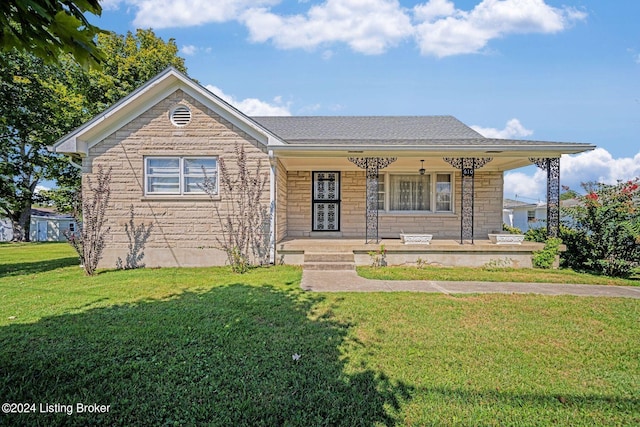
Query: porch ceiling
<point x="403" y="164"/>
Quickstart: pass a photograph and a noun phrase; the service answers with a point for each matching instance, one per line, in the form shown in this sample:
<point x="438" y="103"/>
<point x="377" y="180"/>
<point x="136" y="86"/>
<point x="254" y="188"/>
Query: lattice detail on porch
<point x="372" y="166"/>
<point x="468" y="166"/>
<point x="552" y="166"/>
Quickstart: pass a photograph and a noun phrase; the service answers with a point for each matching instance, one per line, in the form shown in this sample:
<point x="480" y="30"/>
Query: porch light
<point x="421" y="167"/>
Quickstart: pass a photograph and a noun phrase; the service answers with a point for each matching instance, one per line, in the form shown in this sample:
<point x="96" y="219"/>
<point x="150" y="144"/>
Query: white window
<point x="443" y="192"/>
<point x="409" y="192"/>
<point x="415" y="193"/>
<point x="180" y="175"/>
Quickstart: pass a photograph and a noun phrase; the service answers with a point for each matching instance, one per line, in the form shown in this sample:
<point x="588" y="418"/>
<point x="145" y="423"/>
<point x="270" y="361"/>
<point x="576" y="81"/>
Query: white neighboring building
<point x="6" y="230"/>
<point x="49" y="226"/>
<point x="524" y="215"/>
<point x="46" y="226"/>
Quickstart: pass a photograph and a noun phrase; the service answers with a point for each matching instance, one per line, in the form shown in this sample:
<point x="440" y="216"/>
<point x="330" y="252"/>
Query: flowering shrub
<point x="606" y="229"/>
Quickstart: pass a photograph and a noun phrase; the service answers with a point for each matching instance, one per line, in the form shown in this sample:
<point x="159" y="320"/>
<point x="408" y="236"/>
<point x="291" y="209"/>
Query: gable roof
<point x="316" y="135"/>
<point x="378" y="134"/>
<point x="310" y="129"/>
<point x="145" y="97"/>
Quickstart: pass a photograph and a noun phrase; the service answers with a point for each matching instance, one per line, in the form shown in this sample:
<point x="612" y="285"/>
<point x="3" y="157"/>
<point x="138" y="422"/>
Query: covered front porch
<point x="375" y="198"/>
<point x="322" y="253"/>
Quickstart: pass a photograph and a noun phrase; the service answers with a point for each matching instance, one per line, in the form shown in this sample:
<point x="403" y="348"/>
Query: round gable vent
<point x="180" y="116"/>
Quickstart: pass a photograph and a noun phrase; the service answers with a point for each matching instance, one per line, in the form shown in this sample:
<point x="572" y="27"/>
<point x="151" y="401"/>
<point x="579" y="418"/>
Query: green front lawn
<point x="208" y="347"/>
<point x="534" y="275"/>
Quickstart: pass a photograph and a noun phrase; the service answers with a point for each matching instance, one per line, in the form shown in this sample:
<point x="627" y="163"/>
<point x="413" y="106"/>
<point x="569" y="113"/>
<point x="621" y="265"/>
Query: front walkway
<point x="349" y="281"/>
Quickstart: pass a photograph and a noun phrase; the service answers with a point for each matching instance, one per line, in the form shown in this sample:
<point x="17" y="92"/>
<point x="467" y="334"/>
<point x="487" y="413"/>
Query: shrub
<point x="245" y="221"/>
<point x="511" y="230"/>
<point x="90" y="241"/>
<point x="538" y="234"/>
<point x="544" y="258"/>
<point x="606" y="222"/>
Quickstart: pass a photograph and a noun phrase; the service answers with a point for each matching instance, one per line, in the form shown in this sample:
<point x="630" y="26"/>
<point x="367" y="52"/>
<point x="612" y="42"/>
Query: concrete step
<point x="327" y="261"/>
<point x="329" y="266"/>
<point x="329" y="257"/>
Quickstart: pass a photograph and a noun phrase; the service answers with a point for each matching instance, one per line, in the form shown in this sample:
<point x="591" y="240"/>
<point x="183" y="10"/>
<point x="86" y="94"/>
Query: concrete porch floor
<point x="438" y="252"/>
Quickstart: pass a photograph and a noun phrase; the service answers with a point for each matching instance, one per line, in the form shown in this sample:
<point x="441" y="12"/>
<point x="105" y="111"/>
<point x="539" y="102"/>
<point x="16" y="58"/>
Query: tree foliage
<point x="40" y="102"/>
<point x="50" y="28"/>
<point x="604" y="229"/>
<point x="130" y="61"/>
<point x="37" y="105"/>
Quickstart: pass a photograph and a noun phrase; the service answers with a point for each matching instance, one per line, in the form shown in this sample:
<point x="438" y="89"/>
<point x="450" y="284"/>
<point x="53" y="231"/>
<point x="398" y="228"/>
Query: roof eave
<point x="489" y="150"/>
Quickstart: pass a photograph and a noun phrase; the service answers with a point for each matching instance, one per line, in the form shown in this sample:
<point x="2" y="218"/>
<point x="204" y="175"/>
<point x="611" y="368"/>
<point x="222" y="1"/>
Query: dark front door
<point x="326" y="201"/>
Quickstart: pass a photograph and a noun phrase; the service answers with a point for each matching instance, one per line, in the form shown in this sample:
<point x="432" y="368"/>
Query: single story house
<point x="525" y="216"/>
<point x="46" y="225"/>
<point x="337" y="179"/>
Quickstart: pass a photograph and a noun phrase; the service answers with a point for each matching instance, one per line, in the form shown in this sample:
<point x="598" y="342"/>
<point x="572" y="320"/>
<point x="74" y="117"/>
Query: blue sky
<point x="564" y="70"/>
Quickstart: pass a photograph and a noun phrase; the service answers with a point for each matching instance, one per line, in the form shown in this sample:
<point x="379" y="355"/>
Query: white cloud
<point x="187" y="13"/>
<point x="189" y="50"/>
<point x="110" y="4"/>
<point x="513" y="129"/>
<point x="444" y="30"/>
<point x="597" y="165"/>
<point x="44" y="186"/>
<point x="253" y="106"/>
<point x="367" y="26"/>
<point x="530" y="185"/>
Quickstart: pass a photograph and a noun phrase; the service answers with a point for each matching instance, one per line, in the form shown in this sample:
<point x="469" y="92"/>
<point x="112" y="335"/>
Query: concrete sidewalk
<point x="349" y="281"/>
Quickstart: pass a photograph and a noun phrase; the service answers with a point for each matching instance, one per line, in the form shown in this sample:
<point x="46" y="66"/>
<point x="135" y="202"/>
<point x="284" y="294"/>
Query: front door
<point x="326" y="201"/>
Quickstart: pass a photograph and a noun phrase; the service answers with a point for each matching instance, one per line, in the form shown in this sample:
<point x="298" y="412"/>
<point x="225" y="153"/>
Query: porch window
<point x="409" y="193"/>
<point x="415" y="193"/>
<point x="443" y="192"/>
<point x="179" y="175"/>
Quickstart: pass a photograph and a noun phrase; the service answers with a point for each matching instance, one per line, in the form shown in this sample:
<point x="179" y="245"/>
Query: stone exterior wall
<point x="488" y="209"/>
<point x="298" y="203"/>
<point x="281" y="201"/>
<point x="184" y="227"/>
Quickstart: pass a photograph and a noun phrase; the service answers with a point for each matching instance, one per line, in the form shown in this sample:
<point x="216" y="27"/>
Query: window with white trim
<point x="179" y="175"/>
<point x="431" y="192"/>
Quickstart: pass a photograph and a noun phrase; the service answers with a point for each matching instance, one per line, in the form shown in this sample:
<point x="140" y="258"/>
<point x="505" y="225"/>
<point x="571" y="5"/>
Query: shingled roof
<point x="310" y="129"/>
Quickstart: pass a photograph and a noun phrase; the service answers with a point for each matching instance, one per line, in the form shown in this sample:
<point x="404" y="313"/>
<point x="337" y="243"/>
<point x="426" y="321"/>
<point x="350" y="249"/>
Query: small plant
<point x="422" y="263"/>
<point x="379" y="257"/>
<point x="511" y="230"/>
<point x="244" y="217"/>
<point x="545" y="258"/>
<point x="90" y="241"/>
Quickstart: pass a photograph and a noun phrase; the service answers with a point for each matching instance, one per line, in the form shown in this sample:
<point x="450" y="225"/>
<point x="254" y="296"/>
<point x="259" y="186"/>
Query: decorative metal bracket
<point x="467" y="166"/>
<point x="372" y="165"/>
<point x="552" y="166"/>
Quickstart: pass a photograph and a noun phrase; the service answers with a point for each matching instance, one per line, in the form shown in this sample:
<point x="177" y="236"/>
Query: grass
<point x="481" y="274"/>
<point x="208" y="347"/>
